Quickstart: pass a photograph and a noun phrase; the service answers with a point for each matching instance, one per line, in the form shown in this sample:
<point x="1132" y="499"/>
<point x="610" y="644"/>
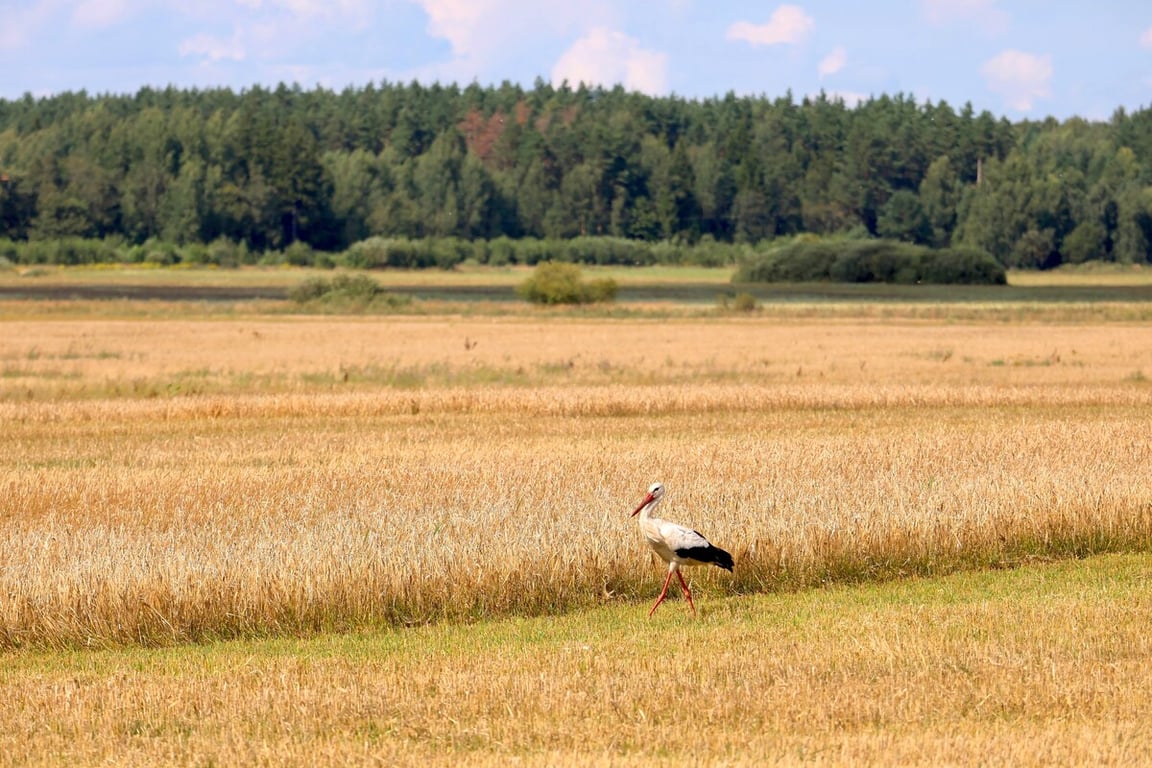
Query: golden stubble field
<point x="181" y="480"/>
<point x="1041" y="665"/>
<point x="86" y="359"/>
<point x="192" y="480"/>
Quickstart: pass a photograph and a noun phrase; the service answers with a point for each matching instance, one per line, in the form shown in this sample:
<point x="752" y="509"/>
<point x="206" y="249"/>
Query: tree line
<point x="271" y="169"/>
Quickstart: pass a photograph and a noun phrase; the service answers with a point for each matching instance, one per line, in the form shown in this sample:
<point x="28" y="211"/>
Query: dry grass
<point x="1038" y="666"/>
<point x="1092" y="274"/>
<point x="405" y="481"/>
<point x="72" y="359"/>
<point x="496" y="479"/>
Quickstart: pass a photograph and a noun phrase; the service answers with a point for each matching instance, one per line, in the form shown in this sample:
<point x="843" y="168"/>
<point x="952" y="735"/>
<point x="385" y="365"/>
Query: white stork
<point x="676" y="545"/>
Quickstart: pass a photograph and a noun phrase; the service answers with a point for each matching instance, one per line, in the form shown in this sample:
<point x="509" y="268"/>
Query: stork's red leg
<point x="663" y="594"/>
<point x="687" y="592"/>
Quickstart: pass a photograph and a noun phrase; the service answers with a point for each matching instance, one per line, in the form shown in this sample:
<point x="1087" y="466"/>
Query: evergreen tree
<point x="269" y="167"/>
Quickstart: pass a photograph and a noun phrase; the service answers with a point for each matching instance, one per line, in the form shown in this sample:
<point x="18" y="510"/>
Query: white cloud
<point x="457" y="21"/>
<point x="22" y="23"/>
<point x="354" y="11"/>
<point x="480" y="28"/>
<point x="102" y="13"/>
<point x="833" y="62"/>
<point x="1146" y="38"/>
<point x="487" y="37"/>
<point x="607" y="57"/>
<point x="788" y="25"/>
<point x="213" y="48"/>
<point x="983" y="13"/>
<point x="1020" y="78"/>
<point x="268" y="30"/>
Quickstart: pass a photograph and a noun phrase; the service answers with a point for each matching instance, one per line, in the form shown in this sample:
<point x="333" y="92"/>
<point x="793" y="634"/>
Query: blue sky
<point x="1023" y="59"/>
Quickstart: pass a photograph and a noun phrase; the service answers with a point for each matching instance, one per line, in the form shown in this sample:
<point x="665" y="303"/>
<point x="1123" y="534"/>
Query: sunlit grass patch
<point x="918" y="671"/>
<point x="198" y="518"/>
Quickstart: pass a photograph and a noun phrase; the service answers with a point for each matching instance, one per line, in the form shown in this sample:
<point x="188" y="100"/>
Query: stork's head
<point x="655" y="493"/>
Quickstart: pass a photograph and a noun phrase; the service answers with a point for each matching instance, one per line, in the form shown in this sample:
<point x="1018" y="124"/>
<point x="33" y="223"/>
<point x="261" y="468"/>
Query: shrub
<point x="159" y="253"/>
<point x="299" y="254"/>
<point x="607" y="251"/>
<point x="367" y="254"/>
<point x="740" y="302"/>
<point x="745" y="302"/>
<point x="707" y="253"/>
<point x="66" y="251"/>
<point x="355" y="287"/>
<point x="402" y="253"/>
<point x="502" y="252"/>
<point x="344" y="290"/>
<point x="447" y="252"/>
<point x="601" y="290"/>
<point x="807" y="259"/>
<point x="561" y="283"/>
<point x="964" y="265"/>
<point x="309" y="289"/>
<point x="532" y="251"/>
<point x="228" y="253"/>
<point x="194" y="254"/>
<point x="799" y="261"/>
<point x="876" y="261"/>
<point x="9" y="251"/>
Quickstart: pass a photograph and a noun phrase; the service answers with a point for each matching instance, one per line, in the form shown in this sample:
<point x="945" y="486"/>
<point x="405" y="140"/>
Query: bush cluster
<point x="739" y="302"/>
<point x="375" y="253"/>
<point x="805" y="258"/>
<point x="343" y="290"/>
<point x="808" y="259"/>
<point x="560" y="283"/>
<point x="445" y="253"/>
<point x="402" y="253"/>
<point x="73" y="251"/>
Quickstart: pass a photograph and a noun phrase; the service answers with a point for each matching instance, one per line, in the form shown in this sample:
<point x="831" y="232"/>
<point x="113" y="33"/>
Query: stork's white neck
<point x="647" y="510"/>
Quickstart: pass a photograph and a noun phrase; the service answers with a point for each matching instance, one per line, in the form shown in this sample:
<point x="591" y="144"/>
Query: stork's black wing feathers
<point x="709" y="554"/>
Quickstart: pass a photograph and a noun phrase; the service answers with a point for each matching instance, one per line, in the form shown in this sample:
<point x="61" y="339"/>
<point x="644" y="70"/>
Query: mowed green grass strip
<point x="1050" y="663"/>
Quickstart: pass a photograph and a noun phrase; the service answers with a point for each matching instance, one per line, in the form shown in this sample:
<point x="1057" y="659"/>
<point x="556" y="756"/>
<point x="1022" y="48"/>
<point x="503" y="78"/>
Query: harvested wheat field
<point x="314" y="541"/>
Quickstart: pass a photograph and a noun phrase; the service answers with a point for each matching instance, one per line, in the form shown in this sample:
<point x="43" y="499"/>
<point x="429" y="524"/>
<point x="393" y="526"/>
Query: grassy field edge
<point x="1041" y="664"/>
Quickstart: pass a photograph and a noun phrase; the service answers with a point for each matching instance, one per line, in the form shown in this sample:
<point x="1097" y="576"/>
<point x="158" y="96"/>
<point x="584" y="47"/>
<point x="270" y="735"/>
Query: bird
<point x="676" y="545"/>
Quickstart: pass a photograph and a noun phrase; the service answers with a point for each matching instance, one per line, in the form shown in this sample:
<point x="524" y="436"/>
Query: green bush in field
<point x="355" y="287"/>
<point x="601" y="290"/>
<point x="877" y="261"/>
<point x="808" y="259"/>
<point x="159" y="253"/>
<point x="606" y="250"/>
<point x="555" y="282"/>
<point x="299" y="254"/>
<point x="392" y="252"/>
<point x="962" y="264"/>
<point x="745" y="302"/>
<point x="740" y="302"/>
<point x="343" y="290"/>
<point x="501" y="252"/>
<point x="803" y="260"/>
<point x="228" y="253"/>
<point x="310" y="289"/>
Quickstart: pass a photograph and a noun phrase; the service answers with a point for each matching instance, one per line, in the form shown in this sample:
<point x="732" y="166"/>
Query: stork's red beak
<point x="636" y="511"/>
